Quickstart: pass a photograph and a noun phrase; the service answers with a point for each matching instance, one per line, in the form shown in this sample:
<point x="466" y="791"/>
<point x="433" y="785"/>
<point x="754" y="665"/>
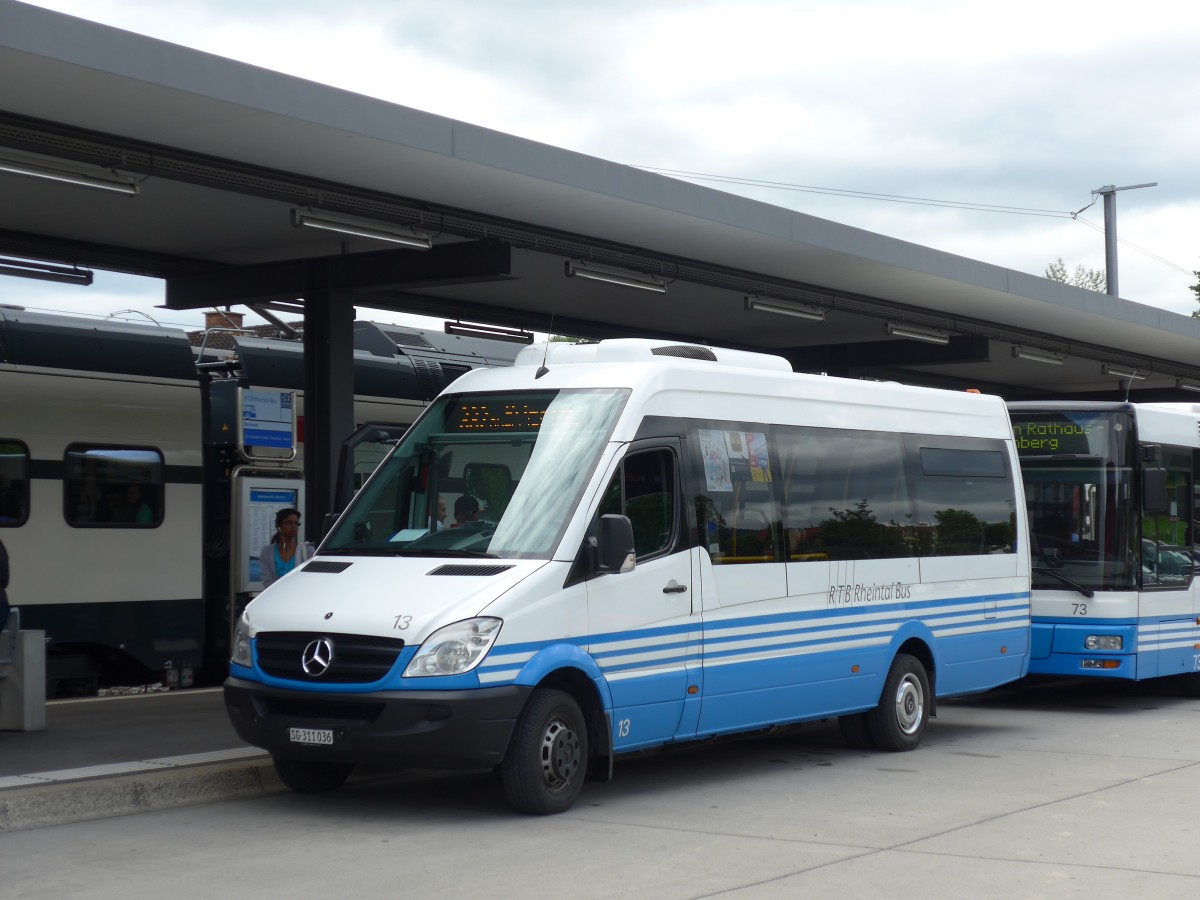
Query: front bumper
<point x="468" y="729"/>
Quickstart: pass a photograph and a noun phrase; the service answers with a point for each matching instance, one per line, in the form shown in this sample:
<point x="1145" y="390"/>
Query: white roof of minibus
<point x="720" y="384"/>
<point x="1169" y="423"/>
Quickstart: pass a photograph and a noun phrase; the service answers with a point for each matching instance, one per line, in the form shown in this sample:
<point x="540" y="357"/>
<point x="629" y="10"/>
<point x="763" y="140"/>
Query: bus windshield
<point x="483" y="475"/>
<point x="1078" y="475"/>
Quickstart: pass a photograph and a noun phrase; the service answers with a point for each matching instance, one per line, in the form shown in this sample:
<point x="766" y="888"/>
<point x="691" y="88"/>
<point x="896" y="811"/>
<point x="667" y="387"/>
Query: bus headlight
<point x="1103" y="642"/>
<point x="454" y="649"/>
<point x="241" y="643"/>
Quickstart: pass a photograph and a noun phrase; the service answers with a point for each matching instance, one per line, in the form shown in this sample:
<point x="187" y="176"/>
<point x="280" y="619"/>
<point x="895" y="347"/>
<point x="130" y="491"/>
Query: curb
<point x="63" y="802"/>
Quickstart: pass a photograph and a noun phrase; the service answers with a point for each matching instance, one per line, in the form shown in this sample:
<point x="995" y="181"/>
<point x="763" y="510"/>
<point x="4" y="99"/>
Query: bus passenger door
<point x="643" y="630"/>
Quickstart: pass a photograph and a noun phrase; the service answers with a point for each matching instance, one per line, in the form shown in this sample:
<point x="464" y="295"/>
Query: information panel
<point x="259" y="500"/>
<point x="267" y="424"/>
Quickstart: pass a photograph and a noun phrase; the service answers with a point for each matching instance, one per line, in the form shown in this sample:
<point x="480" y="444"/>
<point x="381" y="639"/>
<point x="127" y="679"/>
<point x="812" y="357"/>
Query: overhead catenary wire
<point x="920" y="201"/>
<point x="1133" y="246"/>
<point x="865" y="195"/>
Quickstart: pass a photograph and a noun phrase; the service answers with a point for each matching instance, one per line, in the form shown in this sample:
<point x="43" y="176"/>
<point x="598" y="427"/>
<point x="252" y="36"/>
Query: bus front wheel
<point x="1189" y="684"/>
<point x="310" y="777"/>
<point x="899" y="721"/>
<point x="547" y="759"/>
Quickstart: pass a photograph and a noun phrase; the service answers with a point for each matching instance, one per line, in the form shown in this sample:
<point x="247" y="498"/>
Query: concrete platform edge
<point x="80" y="801"/>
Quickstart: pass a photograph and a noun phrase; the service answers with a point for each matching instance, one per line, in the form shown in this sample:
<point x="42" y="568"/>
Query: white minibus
<point x="643" y="544"/>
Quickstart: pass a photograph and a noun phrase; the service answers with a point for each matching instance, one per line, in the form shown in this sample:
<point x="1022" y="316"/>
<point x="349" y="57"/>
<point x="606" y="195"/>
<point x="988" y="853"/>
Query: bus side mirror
<point x="327" y="521"/>
<point x="1154" y="491"/>
<point x="615" y="551"/>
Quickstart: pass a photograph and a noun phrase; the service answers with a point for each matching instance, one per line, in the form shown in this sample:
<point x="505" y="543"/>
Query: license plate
<point x="311" y="735"/>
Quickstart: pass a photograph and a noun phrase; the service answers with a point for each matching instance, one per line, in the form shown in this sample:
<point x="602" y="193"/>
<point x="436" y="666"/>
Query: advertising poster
<point x="261" y="499"/>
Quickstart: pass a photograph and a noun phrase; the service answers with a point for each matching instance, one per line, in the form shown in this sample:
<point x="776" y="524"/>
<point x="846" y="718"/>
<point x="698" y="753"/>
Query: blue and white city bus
<point x="1110" y="493"/>
<point x="662" y="543"/>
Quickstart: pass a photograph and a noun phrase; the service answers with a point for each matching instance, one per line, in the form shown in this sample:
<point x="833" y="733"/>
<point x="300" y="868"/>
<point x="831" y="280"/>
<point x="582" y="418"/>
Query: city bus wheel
<point x="898" y="722"/>
<point x="1189" y="684"/>
<point x="311" y="777"/>
<point x="856" y="732"/>
<point x="547" y="759"/>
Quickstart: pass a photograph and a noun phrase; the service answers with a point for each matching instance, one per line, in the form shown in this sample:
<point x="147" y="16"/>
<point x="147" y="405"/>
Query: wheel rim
<point x="910" y="704"/>
<point x="561" y="754"/>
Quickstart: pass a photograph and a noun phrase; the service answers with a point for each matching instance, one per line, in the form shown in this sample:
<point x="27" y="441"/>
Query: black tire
<point x="899" y="721"/>
<point x="311" y="777"/>
<point x="856" y="732"/>
<point x="1189" y="684"/>
<point x="547" y="759"/>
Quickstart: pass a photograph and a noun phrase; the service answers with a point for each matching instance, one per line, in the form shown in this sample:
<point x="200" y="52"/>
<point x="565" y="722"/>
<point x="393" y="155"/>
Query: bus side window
<point x="734" y="493"/>
<point x="965" y="501"/>
<point x="1167" y="542"/>
<point x="846" y="496"/>
<point x="644" y="490"/>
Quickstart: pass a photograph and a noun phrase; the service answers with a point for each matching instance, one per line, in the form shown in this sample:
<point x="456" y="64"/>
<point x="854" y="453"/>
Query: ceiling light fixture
<point x="491" y="332"/>
<point x="1123" y="372"/>
<point x="378" y="231"/>
<point x="46" y="272"/>
<point x="626" y="279"/>
<point x="1043" y="356"/>
<point x="51" y="169"/>
<point x="918" y="333"/>
<point x="784" y="308"/>
<point x="1185" y="384"/>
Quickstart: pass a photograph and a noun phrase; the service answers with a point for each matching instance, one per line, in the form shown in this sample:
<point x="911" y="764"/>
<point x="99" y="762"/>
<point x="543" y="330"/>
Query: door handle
<point x="674" y="587"/>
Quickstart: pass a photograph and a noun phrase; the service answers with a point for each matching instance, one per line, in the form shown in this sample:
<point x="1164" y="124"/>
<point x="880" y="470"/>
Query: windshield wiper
<point x="1087" y="592"/>
<point x="441" y="551"/>
<point x="404" y="551"/>
<point x="356" y="551"/>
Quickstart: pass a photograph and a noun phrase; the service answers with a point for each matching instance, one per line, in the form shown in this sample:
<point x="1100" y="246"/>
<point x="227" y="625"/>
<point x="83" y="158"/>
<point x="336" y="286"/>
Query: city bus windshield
<point x="483" y="475"/>
<point x="1078" y="476"/>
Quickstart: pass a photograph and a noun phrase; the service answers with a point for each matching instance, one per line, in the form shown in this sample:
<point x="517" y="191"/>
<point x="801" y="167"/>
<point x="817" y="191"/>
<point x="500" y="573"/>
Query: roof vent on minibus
<point x="477" y="571"/>
<point x="635" y="350"/>
<point x="324" y="567"/>
<point x="685" y="351"/>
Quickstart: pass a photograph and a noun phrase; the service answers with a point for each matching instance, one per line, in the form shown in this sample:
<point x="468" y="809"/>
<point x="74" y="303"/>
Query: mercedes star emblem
<point x="317" y="657"/>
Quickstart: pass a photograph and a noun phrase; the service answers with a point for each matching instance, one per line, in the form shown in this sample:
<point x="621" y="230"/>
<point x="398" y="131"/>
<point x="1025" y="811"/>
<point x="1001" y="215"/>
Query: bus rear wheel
<point x="899" y="721"/>
<point x="547" y="759"/>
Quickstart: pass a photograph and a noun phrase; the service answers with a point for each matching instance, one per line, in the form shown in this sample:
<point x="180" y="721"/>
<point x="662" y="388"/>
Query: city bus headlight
<point x="1103" y="642"/>
<point x="454" y="649"/>
<point x="241" y="643"/>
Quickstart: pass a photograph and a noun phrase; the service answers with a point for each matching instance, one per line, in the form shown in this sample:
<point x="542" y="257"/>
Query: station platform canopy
<point x="225" y="180"/>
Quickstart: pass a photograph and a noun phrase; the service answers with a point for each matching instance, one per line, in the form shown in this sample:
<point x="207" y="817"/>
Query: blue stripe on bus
<point x="698" y="639"/>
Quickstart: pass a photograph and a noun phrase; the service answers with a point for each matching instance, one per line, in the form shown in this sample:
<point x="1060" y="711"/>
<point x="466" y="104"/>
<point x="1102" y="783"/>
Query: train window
<point x="14" y="483"/>
<point x="113" y="487"/>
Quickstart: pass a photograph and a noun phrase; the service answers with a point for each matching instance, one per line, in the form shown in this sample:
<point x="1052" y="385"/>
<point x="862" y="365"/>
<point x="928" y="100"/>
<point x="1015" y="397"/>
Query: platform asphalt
<point x="112" y="756"/>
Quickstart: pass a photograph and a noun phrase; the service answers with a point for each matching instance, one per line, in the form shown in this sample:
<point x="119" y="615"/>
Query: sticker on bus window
<point x="758" y="457"/>
<point x="716" y="460"/>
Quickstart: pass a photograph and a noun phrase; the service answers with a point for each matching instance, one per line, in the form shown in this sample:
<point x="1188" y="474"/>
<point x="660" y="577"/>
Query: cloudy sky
<point x="968" y="127"/>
